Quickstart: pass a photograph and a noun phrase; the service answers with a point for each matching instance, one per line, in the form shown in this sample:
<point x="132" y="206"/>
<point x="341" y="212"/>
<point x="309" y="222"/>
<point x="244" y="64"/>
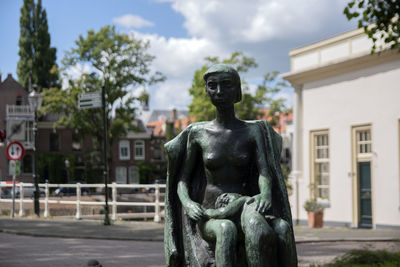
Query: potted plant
<point x="315" y="213"/>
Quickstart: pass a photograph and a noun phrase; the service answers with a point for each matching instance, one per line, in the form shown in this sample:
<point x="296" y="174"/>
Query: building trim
<point x="355" y="179"/>
<point x="398" y="160"/>
<point x="343" y="66"/>
<point x="312" y="161"/>
<point x="326" y="42"/>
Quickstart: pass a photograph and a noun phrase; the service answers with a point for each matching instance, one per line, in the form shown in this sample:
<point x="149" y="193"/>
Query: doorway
<point x="362" y="177"/>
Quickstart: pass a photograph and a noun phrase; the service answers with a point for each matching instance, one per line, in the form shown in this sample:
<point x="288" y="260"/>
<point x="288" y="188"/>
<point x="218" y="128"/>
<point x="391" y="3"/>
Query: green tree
<point x="37" y="62"/>
<point x="117" y="61"/>
<point x="249" y="108"/>
<point x="379" y="18"/>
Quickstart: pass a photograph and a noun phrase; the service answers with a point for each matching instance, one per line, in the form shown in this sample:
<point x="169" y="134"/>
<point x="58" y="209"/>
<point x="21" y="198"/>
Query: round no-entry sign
<point x="15" y="150"/>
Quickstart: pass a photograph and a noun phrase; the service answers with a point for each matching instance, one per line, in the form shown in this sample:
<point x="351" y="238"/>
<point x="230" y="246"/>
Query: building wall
<point x="117" y="162"/>
<point x="9" y="90"/>
<point x="368" y="96"/>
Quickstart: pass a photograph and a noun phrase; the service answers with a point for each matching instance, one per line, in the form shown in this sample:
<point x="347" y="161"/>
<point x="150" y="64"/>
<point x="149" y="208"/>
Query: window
<point x="76" y="141"/>
<point x="133" y="175"/>
<point x="320" y="162"/>
<point x="18" y="101"/>
<point x="120" y="175"/>
<point x="364" y="142"/>
<point x="54" y="142"/>
<point x="139" y="150"/>
<point x="124" y="152"/>
<point x="27" y="164"/>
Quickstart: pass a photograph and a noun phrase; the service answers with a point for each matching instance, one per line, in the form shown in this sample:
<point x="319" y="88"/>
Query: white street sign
<point x="14" y="167"/>
<point x="90" y="100"/>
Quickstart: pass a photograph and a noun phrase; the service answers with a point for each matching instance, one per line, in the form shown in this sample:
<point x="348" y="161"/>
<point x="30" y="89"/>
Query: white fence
<point x="113" y="203"/>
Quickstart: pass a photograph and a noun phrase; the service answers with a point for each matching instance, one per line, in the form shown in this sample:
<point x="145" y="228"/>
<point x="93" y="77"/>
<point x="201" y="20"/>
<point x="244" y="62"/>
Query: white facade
<point x="344" y="93"/>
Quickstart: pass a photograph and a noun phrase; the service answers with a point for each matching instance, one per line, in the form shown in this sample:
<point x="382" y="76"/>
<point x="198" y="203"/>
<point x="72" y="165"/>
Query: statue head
<point x="225" y="68"/>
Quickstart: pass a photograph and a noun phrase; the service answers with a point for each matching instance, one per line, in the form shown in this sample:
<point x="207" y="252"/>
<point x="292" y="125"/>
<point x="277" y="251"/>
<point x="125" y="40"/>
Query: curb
<point x="158" y="239"/>
<point x="149" y="239"/>
<point x="348" y="240"/>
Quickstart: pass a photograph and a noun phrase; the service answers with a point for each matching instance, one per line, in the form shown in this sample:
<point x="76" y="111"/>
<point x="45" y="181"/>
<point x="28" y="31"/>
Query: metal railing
<point x="113" y="203"/>
<point x="19" y="110"/>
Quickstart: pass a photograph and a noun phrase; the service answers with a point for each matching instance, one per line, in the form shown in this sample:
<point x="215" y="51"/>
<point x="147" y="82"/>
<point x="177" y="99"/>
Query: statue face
<point x="222" y="89"/>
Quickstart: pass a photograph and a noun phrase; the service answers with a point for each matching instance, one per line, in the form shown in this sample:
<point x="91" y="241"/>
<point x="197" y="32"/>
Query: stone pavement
<point x="150" y="231"/>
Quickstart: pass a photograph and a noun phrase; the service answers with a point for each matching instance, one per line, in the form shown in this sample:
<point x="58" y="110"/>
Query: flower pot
<point x="315" y="219"/>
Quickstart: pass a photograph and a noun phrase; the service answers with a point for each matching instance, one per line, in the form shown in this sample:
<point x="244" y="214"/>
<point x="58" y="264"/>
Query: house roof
<point x="284" y="120"/>
<point x="11" y="83"/>
<point x="158" y="127"/>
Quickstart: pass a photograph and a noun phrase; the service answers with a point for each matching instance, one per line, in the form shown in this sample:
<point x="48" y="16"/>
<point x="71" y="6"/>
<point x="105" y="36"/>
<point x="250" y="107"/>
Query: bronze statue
<point x="226" y="200"/>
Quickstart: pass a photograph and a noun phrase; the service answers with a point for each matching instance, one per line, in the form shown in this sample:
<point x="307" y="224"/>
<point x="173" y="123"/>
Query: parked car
<point x="70" y="191"/>
<point x="28" y="192"/>
<point x="160" y="181"/>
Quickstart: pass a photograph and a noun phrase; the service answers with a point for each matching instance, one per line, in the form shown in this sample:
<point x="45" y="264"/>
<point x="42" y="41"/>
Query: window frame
<point x="54" y="142"/>
<point x="139" y="144"/>
<point x="124" y="144"/>
<point x="125" y="171"/>
<point x="315" y="160"/>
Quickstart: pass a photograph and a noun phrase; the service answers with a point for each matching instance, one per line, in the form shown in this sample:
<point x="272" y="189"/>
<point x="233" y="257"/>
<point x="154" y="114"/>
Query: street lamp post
<point x="67" y="164"/>
<point x="35" y="102"/>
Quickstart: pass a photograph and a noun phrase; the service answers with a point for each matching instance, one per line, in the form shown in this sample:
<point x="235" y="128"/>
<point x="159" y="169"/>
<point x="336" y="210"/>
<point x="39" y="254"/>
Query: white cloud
<point x="132" y="21"/>
<point x="263" y="29"/>
<point x="177" y="59"/>
<point x="239" y="21"/>
<point x="74" y="73"/>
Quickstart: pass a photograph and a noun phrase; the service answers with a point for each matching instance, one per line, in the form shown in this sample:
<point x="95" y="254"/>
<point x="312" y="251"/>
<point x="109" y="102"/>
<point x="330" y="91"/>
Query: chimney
<point x="174" y="114"/>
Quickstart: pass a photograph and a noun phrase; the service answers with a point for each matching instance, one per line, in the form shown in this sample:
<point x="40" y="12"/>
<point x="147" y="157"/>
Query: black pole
<point x="35" y="176"/>
<point x="105" y="172"/>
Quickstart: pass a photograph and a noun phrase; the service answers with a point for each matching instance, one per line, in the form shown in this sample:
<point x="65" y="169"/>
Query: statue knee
<point x="227" y="230"/>
<point x="282" y="229"/>
<point x="256" y="229"/>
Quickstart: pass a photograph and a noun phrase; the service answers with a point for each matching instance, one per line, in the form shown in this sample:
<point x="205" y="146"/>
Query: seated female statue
<point x="226" y="201"/>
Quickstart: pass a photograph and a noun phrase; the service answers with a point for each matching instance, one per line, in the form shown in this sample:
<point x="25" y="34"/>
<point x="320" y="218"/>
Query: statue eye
<point x="226" y="83"/>
<point x="212" y="85"/>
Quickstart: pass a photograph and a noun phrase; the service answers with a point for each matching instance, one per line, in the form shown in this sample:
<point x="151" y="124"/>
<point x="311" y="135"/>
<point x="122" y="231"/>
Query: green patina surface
<point x="226" y="200"/>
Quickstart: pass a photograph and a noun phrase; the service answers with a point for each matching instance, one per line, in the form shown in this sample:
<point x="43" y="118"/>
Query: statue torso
<point x="228" y="156"/>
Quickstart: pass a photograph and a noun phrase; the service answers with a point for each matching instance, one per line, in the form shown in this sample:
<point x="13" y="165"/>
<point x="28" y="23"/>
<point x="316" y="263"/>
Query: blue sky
<point x="183" y="32"/>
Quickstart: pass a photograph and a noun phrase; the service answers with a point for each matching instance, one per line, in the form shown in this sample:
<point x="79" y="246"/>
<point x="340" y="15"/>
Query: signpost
<point x="15" y="151"/>
<point x="90" y="100"/>
<point x="98" y="100"/>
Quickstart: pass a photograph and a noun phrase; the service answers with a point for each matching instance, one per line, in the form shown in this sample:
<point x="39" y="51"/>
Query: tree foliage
<point x="379" y="18"/>
<point x="249" y="108"/>
<point x="117" y="61"/>
<point x="37" y="61"/>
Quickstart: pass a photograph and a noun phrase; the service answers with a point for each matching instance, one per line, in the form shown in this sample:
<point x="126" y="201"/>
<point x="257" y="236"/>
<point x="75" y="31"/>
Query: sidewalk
<point x="150" y="231"/>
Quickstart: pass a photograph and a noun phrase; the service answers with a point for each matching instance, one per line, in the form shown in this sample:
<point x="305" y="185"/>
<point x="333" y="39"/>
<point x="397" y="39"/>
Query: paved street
<point x="20" y="251"/>
<point x="54" y="242"/>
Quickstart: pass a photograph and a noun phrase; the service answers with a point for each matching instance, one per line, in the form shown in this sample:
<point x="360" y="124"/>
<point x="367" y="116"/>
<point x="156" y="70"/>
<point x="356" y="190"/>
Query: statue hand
<point x="262" y="203"/>
<point x="194" y="210"/>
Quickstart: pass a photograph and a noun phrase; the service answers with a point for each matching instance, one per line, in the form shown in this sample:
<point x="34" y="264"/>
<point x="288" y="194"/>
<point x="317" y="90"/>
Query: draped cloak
<point x="182" y="241"/>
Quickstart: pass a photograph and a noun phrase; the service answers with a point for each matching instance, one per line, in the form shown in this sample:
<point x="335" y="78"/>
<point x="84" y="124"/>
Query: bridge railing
<point x="47" y="199"/>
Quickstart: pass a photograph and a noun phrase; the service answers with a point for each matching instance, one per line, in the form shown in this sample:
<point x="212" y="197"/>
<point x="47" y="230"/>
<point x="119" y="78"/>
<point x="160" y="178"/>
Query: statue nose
<point x="219" y="91"/>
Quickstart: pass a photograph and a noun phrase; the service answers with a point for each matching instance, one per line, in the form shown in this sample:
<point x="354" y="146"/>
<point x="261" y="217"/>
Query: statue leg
<point x="260" y="239"/>
<point x="286" y="255"/>
<point x="224" y="234"/>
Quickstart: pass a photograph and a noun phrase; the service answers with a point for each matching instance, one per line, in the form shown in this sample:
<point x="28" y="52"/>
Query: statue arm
<point x="262" y="200"/>
<point x="193" y="209"/>
<point x="225" y="212"/>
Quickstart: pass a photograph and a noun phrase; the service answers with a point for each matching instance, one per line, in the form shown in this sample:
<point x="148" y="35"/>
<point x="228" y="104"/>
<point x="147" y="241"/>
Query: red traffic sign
<point x="15" y="151"/>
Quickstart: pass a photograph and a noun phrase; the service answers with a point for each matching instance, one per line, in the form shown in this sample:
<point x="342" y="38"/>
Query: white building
<point x="347" y="131"/>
